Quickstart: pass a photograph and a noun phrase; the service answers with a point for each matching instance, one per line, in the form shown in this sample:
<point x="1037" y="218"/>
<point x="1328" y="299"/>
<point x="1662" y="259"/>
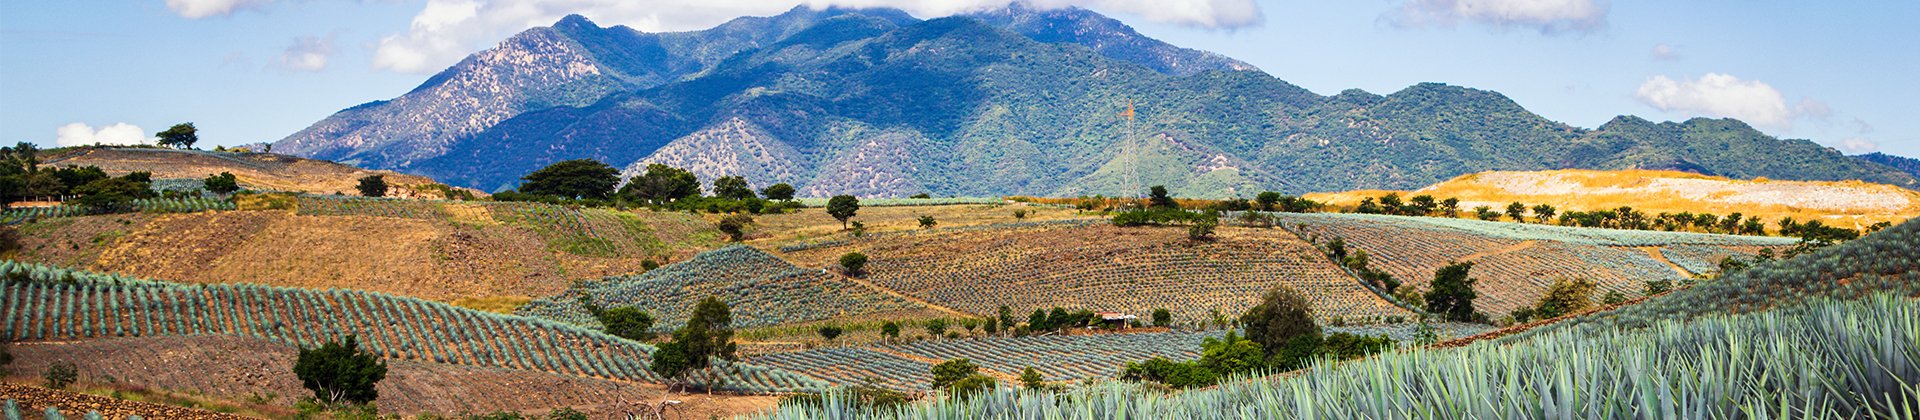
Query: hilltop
<point x="1020" y="101"/>
<point x="1851" y="204"/>
<point x="257" y="171"/>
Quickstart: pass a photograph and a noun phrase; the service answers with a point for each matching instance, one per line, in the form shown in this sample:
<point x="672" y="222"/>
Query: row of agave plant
<point x="1826" y="359"/>
<point x="10" y="410"/>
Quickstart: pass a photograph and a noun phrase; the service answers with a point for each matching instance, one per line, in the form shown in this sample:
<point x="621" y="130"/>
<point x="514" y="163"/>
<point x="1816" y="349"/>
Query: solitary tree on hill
<point x="373" y="186"/>
<point x="339" y="372"/>
<point x="577" y="178"/>
<point x="182" y="135"/>
<point x="854" y="262"/>
<point x="843" y="207"/>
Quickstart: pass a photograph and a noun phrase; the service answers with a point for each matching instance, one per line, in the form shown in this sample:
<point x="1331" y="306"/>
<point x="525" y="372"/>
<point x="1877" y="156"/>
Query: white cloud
<point x="1665" y="52"/>
<point x="1722" y="95"/>
<point x="308" y="53"/>
<point x="78" y="134"/>
<point x="1856" y="145"/>
<point x="196" y="9"/>
<point x="1548" y="16"/>
<point x="447" y="30"/>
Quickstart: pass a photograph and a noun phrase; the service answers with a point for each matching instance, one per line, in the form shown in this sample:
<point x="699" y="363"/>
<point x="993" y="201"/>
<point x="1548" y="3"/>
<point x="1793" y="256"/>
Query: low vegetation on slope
<point x="1516" y="263"/>
<point x="1100" y="267"/>
<point x="50" y="304"/>
<point x="258" y="171"/>
<point x="762" y="289"/>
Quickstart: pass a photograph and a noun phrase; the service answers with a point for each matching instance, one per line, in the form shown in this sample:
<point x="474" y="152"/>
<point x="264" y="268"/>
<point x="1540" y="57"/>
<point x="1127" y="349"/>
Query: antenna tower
<point x="1133" y="156"/>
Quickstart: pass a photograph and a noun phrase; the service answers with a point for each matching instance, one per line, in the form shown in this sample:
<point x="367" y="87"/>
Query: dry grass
<point x="496" y="304"/>
<point x="815" y="222"/>
<point x="1851" y="204"/>
<point x="257" y="170"/>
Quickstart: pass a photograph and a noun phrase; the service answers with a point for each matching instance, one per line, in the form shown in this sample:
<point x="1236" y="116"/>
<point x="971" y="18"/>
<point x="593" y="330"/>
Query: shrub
<point x="830" y="332"/>
<point x="1030" y="379"/>
<point x="951" y="372"/>
<point x="1281" y="316"/>
<point x="937" y="327"/>
<point x="339" y="372"/>
<point x="1020" y="213"/>
<point x="1565" y="297"/>
<point x="926" y="222"/>
<point x="735" y="226"/>
<point x="224" y="183"/>
<point x="855" y="263"/>
<point x="972" y="385"/>
<point x="1162" y="317"/>
<point x="61" y="374"/>
<point x="1203" y="229"/>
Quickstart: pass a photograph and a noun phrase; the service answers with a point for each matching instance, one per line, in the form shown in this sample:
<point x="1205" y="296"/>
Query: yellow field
<point x="1851" y="204"/>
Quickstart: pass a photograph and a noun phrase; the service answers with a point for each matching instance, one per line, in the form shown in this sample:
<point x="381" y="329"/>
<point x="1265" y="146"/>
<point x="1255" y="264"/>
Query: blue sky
<point x="1844" y="74"/>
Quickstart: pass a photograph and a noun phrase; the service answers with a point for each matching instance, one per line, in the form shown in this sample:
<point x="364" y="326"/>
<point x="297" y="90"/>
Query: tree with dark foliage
<point x="578" y="178"/>
<point x="182" y="135"/>
<point x="1451" y="294"/>
<point x="373" y="186"/>
<point x="339" y="372"/>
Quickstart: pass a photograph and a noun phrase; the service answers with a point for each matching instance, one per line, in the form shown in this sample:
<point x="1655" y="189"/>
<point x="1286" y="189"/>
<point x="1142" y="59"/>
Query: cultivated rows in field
<point x="1706" y="258"/>
<point x="933" y="233"/>
<point x="761" y="289"/>
<point x="51" y="308"/>
<point x="1102" y="267"/>
<point x="1515" y="268"/>
<point x="847" y="366"/>
<point x="886" y="202"/>
<point x="145" y="205"/>
<point x="591" y="231"/>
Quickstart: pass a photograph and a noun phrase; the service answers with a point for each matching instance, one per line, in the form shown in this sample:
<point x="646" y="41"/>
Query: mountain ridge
<point x="1029" y="98"/>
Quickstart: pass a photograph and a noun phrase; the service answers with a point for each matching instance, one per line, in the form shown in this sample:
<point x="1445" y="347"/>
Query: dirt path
<point x="1516" y="247"/>
<point x="1654" y="251"/>
<point x="909" y="298"/>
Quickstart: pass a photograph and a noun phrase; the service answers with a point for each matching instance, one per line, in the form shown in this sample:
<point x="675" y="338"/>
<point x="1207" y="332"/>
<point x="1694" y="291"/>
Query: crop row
<point x="1537" y="232"/>
<point x="761" y="289"/>
<point x="54" y="308"/>
<point x="890" y="202"/>
<point x="144" y="205"/>
<point x="1106" y="268"/>
<point x="940" y="232"/>
<point x="1827" y="360"/>
<point x="589" y="231"/>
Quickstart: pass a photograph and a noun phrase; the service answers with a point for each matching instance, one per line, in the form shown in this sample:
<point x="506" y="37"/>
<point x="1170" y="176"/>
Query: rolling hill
<point x="257" y="171"/>
<point x="1020" y="102"/>
<point x="1849" y="204"/>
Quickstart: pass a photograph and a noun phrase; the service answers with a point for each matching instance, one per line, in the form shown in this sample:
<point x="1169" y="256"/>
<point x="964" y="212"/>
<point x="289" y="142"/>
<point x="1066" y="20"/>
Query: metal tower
<point x="1133" y="156"/>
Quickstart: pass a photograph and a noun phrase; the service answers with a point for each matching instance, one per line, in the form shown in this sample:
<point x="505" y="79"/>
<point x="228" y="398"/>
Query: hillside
<point x="1850" y="204"/>
<point x="1096" y="266"/>
<point x="257" y="171"/>
<point x="1515" y="263"/>
<point x="1022" y="101"/>
<point x="1904" y="164"/>
<point x="446" y="251"/>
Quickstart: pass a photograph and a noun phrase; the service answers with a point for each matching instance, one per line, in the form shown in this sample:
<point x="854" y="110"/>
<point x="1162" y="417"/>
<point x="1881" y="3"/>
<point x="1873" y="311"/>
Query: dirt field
<point x="815" y="222"/>
<point x="241" y="369"/>
<point x="75" y="241"/>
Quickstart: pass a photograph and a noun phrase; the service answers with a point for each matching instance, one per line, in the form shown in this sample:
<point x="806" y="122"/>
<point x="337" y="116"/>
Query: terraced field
<point x="908" y="367"/>
<point x="54" y="305"/>
<point x="145" y="205"/>
<point x="584" y="231"/>
<point x="1104" y="268"/>
<point x="762" y="290"/>
<point x="1517" y="262"/>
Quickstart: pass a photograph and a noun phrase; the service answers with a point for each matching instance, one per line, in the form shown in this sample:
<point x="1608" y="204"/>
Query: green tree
<point x="732" y="188"/>
<point x="577" y="178"/>
<point x="1565" y="297"/>
<point x="625" y="321"/>
<point x="1030" y="379"/>
<point x="970" y="386"/>
<point x="735" y="226"/>
<point x="781" y="191"/>
<point x="1005" y="314"/>
<point x="1486" y="213"/>
<point x="1421" y="205"/>
<point x="1162" y="317"/>
<point x="855" y="263"/>
<point x="1282" y="325"/>
<point x="1157" y="198"/>
<point x="937" y="327"/>
<point x="1543" y="213"/>
<point x="1451" y="206"/>
<point x="1451" y="293"/>
<point x="843" y="207"/>
<point x="1517" y="212"/>
<point x="949" y="372"/>
<point x="1037" y="321"/>
<point x="1391" y="204"/>
<point x="830" y="332"/>
<point x="112" y="194"/>
<point x="1231" y="355"/>
<point x="182" y="135"/>
<point x="339" y="372"/>
<point x="661" y="184"/>
<point x="61" y="374"/>
<point x="373" y="186"/>
<point x="224" y="183"/>
<point x="1267" y="200"/>
<point x="926" y="222"/>
<point x="1202" y="230"/>
<point x="890" y="329"/>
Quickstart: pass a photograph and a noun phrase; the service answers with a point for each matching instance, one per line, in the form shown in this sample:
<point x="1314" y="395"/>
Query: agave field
<point x="1106" y="268"/>
<point x="144" y="205"/>
<point x="51" y="304"/>
<point x="761" y="289"/>
<point x="1514" y="262"/>
<point x="844" y="240"/>
<point x="1884" y="262"/>
<point x="585" y="231"/>
<point x="848" y="366"/>
<point x="1826" y="360"/>
<point x="889" y="202"/>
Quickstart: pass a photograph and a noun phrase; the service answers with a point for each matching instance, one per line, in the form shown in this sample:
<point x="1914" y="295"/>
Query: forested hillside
<point x="1006" y="102"/>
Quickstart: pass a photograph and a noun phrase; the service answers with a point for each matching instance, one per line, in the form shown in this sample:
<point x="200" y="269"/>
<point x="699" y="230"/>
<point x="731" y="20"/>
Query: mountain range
<point x="1014" y="101"/>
